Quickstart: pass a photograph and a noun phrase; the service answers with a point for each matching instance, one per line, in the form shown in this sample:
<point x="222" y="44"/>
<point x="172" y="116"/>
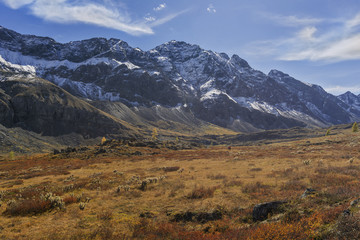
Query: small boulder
<point x="307" y="192"/>
<point x="355" y="202"/>
<point x="204" y="217"/>
<point x="262" y="210"/>
<point x="346" y="212"/>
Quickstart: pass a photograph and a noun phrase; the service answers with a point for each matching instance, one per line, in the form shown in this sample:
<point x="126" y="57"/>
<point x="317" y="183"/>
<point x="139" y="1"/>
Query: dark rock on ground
<point x="201" y="217"/>
<point x="262" y="210"/>
<point x="204" y="217"/>
<point x="346" y="212"/>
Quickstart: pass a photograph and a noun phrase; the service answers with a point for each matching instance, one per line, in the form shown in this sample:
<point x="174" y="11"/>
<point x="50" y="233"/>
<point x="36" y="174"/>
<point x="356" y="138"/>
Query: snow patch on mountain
<point x="17" y="67"/>
<point x="214" y="94"/>
<point x="129" y="65"/>
<point x="87" y="90"/>
<point x="280" y="109"/>
<point x="207" y="85"/>
<point x="33" y="65"/>
<point x="251" y="103"/>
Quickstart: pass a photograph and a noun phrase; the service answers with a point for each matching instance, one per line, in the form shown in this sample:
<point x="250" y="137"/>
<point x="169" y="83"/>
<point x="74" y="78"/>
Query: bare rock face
<point x="6" y="110"/>
<point x="351" y="100"/>
<point x="262" y="210"/>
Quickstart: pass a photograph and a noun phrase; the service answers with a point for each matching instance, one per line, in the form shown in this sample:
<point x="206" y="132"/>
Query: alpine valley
<point x="97" y="87"/>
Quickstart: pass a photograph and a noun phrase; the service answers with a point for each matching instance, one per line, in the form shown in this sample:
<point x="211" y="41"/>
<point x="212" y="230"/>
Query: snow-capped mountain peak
<point x="216" y="88"/>
<point x="239" y="62"/>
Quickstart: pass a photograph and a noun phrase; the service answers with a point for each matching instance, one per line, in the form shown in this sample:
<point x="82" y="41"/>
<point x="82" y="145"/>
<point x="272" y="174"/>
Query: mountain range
<point x="53" y="88"/>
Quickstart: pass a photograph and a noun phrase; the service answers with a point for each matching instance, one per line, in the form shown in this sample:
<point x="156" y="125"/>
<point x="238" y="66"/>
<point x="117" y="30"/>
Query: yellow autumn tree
<point x="103" y="140"/>
<point x="327" y="132"/>
<point x="154" y="134"/>
<point x="355" y="127"/>
<point x="11" y="155"/>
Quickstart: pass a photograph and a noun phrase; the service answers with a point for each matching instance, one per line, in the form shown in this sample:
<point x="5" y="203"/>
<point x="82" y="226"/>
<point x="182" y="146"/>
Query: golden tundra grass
<point x="232" y="180"/>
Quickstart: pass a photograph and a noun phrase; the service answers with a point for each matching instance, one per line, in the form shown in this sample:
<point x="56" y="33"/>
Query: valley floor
<point x="120" y="190"/>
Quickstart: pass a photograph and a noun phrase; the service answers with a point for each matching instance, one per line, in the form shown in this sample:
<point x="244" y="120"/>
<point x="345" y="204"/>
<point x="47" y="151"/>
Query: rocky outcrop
<point x="201" y="217"/>
<point x="263" y="210"/>
<point x="7" y="113"/>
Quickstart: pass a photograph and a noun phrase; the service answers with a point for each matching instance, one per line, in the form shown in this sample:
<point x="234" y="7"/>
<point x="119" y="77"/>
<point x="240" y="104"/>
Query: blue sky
<point x="315" y="41"/>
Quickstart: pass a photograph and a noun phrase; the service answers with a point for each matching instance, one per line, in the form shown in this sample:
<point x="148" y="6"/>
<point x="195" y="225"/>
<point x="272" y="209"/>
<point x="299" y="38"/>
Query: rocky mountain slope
<point x="352" y="101"/>
<point x="36" y="115"/>
<point x="176" y="75"/>
<point x="39" y="106"/>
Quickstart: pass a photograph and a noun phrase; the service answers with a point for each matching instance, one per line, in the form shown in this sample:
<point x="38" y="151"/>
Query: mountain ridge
<point x="214" y="87"/>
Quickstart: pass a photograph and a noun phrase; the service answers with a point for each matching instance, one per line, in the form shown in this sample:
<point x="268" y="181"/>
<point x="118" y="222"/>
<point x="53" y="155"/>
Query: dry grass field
<point x="122" y="190"/>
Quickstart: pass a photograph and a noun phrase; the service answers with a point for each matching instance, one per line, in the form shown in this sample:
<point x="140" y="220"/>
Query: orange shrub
<point x="70" y="199"/>
<point x="28" y="206"/>
<point x="306" y="228"/>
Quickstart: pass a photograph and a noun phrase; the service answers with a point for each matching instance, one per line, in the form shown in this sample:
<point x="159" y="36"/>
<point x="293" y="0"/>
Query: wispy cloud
<point x="15" y="4"/>
<point x="330" y="40"/>
<point x="307" y="34"/>
<point x="337" y="90"/>
<point x="354" y="22"/>
<point x="211" y="8"/>
<point x="292" y="21"/>
<point x="167" y="18"/>
<point x="91" y="12"/>
<point x="346" y="48"/>
<point x="149" y="18"/>
<point x="160" y="7"/>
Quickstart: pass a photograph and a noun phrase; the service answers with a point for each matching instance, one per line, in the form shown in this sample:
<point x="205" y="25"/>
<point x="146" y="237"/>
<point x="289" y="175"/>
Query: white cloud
<point x="15" y="4"/>
<point x="307" y="33"/>
<point x="107" y="14"/>
<point x="167" y="18"/>
<point x="211" y="8"/>
<point x="63" y="11"/>
<point x="331" y="41"/>
<point x="353" y="22"/>
<point x="333" y="51"/>
<point x="160" y="7"/>
<point x="337" y="90"/>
